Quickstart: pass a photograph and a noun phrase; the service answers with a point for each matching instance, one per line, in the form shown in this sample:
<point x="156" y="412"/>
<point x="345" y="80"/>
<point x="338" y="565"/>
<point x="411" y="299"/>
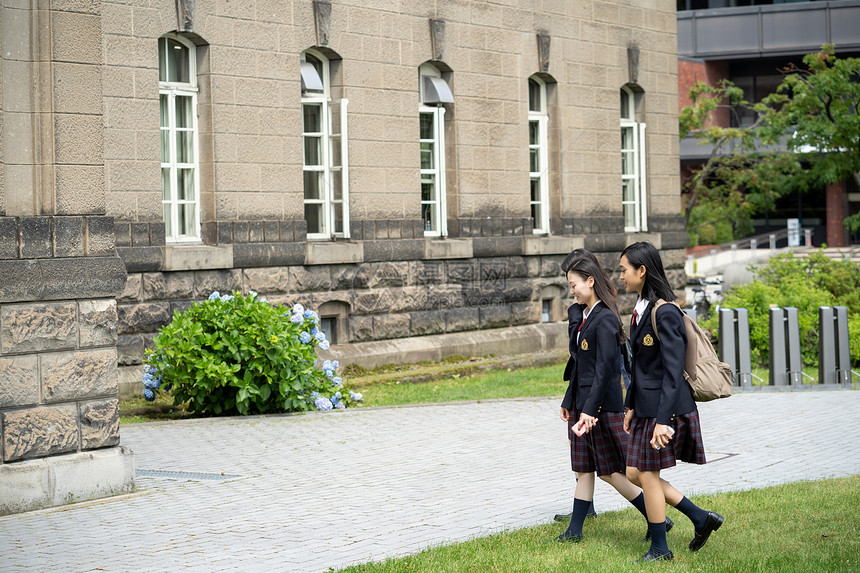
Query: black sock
<point x="696" y="514"/>
<point x="658" y="538"/>
<point x="591" y="510"/>
<point x="580" y="509"/>
<point x="639" y="503"/>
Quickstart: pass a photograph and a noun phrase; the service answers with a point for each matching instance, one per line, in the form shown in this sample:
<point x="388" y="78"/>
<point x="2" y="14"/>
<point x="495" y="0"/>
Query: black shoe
<point x="562" y="516"/>
<point x="655" y="557"/>
<point x="669" y="525"/>
<point x="569" y="538"/>
<point x="712" y="523"/>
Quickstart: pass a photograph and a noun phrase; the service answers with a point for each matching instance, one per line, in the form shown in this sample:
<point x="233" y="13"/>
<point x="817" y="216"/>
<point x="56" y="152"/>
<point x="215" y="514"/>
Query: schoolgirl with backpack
<point x="661" y="417"/>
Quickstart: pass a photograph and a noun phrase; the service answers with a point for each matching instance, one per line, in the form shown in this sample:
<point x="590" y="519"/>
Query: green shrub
<point x="804" y="283"/>
<point x="707" y="234"/>
<point x="236" y="354"/>
<point x="723" y="232"/>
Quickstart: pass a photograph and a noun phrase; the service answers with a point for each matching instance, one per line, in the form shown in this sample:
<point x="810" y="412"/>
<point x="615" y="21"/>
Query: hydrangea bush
<point x="235" y="354"/>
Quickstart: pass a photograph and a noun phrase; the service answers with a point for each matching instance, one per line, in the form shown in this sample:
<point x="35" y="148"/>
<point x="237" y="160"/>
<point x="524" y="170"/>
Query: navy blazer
<point x="658" y="388"/>
<point x="593" y="368"/>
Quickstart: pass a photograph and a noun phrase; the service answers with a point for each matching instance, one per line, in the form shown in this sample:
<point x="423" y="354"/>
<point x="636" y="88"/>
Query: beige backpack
<point x="708" y="377"/>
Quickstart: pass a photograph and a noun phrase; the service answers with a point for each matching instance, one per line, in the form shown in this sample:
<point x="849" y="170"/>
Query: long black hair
<point x="644" y="254"/>
<point x="586" y="265"/>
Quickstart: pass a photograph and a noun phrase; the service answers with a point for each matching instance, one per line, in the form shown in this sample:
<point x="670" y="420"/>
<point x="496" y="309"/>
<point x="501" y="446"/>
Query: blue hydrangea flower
<point x="341" y="406"/>
<point x="305" y="337"/>
<point x="324" y="345"/>
<point x="148" y="395"/>
<point x="329" y="373"/>
<point x="149" y="369"/>
<point x="323" y="403"/>
<point x="327" y="365"/>
<point x="297" y="319"/>
<point x="335" y="365"/>
<point x="149" y="381"/>
<point x="337" y="381"/>
<point x="215" y="294"/>
<point x="252" y="293"/>
<point x="335" y="400"/>
<point x="264" y="299"/>
<point x="226" y="297"/>
<point x="319" y="336"/>
<point x="314" y="331"/>
<point x="338" y="395"/>
<point x="298" y="309"/>
<point x="357" y="396"/>
<point x="315" y="395"/>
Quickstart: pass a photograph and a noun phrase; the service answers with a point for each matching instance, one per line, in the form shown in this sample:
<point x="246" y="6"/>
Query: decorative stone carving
<point x="75" y="375"/>
<point x="633" y="63"/>
<point x="98" y="322"/>
<point x="322" y="22"/>
<point x="437" y="39"/>
<point x="39" y="432"/>
<point x="99" y="424"/>
<point x="184" y="15"/>
<point x="543" y="52"/>
<point x="38" y="327"/>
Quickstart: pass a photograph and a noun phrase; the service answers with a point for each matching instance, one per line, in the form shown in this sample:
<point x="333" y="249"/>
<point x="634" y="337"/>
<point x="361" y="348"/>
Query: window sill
<point x="551" y="245"/>
<point x="653" y="238"/>
<point x="196" y="257"/>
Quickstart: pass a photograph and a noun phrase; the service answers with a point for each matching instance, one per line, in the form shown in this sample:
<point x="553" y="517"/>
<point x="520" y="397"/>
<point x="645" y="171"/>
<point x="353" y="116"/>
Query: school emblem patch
<point x="648" y="341"/>
<point x="584" y="345"/>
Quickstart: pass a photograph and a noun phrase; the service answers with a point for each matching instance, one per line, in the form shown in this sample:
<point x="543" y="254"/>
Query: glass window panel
<point x="338" y="217"/>
<point x="165" y="146"/>
<point x="334" y="124"/>
<point x="626" y="162"/>
<point x="535" y="189"/>
<point x="312" y="118"/>
<point x="626" y="138"/>
<point x="536" y="218"/>
<point x="427" y="155"/>
<point x="629" y="190"/>
<point x="337" y="185"/>
<point x="334" y="155"/>
<point x="534" y="133"/>
<point x="534" y="160"/>
<point x="177" y="62"/>
<point x="184" y="111"/>
<point x="313" y="185"/>
<point x="313" y="150"/>
<point x="318" y="65"/>
<point x="165" y="110"/>
<point x="168" y="220"/>
<point x="186" y="219"/>
<point x="426" y="123"/>
<point x="185" y="147"/>
<point x="313" y="216"/>
<point x="162" y="60"/>
<point x="428" y="214"/>
<point x="534" y="96"/>
<point x="629" y="216"/>
<point x="185" y="184"/>
<point x="165" y="183"/>
<point x="428" y="189"/>
<point x="625" y="105"/>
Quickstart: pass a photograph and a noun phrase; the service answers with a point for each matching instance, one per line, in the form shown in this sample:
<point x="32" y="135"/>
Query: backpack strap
<point x="660" y="302"/>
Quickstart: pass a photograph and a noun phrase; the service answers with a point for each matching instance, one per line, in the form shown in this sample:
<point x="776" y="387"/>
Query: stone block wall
<point x="58" y="334"/>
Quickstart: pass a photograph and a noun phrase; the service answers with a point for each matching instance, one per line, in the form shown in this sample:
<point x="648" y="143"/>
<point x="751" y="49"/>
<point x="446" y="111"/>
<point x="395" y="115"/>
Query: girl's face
<point x="581" y="288"/>
<point x="632" y="278"/>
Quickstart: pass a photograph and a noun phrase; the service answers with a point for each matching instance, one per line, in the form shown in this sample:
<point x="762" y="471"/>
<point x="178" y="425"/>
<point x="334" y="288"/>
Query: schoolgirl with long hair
<point x="660" y="413"/>
<point x="593" y="403"/>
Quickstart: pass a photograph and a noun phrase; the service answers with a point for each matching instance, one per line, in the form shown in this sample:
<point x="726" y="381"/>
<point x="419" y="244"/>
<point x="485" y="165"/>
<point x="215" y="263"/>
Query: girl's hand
<point x="587" y="421"/>
<point x="661" y="437"/>
<point x="565" y="414"/>
<point x="628" y="419"/>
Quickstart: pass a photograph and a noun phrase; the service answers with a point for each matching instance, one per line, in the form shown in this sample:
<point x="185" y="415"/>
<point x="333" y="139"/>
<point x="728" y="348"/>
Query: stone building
<point x="412" y="170"/>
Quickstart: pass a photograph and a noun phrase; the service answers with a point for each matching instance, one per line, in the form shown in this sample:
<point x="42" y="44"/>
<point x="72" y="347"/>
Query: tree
<point x="806" y="133"/>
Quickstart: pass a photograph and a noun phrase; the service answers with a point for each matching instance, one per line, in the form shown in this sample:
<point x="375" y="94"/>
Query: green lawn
<point x="803" y="527"/>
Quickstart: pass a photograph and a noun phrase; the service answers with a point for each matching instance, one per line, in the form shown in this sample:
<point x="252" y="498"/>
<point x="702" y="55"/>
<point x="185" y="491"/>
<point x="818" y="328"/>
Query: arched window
<point x="633" y="163"/>
<point x="325" y="157"/>
<point x="538" y="155"/>
<point x="177" y="83"/>
<point x="434" y="92"/>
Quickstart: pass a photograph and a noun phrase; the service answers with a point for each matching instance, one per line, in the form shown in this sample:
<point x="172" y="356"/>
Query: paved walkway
<point x="306" y="493"/>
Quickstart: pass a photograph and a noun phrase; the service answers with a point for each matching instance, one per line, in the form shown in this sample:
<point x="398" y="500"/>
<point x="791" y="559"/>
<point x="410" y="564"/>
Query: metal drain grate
<point x="184" y="475"/>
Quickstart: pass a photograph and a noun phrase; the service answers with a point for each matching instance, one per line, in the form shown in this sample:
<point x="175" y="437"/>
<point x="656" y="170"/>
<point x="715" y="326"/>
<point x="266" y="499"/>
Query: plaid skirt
<point x="603" y="449"/>
<point x="686" y="445"/>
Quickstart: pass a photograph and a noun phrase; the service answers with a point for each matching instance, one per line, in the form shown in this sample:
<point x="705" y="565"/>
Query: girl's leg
<point x="705" y="522"/>
<point x="655" y="506"/>
<point x="632" y="494"/>
<point x="581" y="502"/>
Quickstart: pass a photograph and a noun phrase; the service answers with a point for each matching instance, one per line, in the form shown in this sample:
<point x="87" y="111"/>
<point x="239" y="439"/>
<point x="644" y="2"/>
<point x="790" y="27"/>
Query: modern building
<point x="749" y="42"/>
<point x="412" y="170"/>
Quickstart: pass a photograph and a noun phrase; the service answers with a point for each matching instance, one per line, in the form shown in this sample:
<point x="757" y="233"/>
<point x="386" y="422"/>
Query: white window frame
<point x="172" y="90"/>
<point x="541" y="120"/>
<point x="333" y="133"/>
<point x="437" y="170"/>
<point x="636" y="167"/>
